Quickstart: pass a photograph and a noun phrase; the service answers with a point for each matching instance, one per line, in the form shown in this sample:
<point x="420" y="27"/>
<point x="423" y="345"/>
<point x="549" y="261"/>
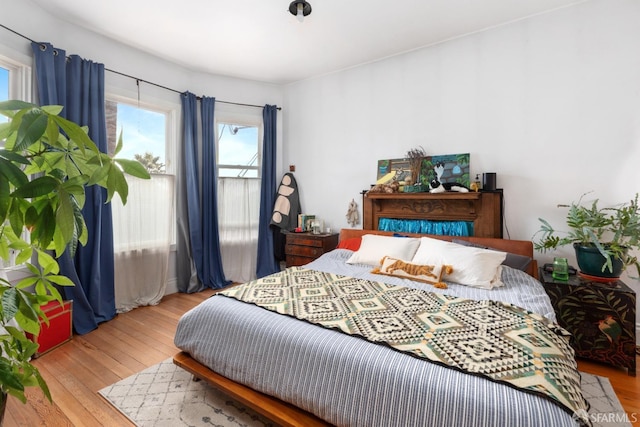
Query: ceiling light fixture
<point x="300" y="9"/>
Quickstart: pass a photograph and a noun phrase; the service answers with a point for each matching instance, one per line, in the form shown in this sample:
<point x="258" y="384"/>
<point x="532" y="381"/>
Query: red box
<point x="59" y="330"/>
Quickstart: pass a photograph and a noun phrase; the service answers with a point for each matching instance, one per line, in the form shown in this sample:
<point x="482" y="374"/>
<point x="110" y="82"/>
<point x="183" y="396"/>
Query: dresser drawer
<point x="306" y="251"/>
<point x="302" y="248"/>
<point x="304" y="240"/>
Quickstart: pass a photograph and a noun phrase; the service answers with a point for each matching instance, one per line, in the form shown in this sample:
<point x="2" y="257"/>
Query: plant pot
<point x="3" y="406"/>
<point x="590" y="262"/>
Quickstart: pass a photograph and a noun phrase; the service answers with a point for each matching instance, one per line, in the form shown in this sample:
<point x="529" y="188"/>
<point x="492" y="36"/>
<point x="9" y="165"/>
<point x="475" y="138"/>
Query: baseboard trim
<point x="172" y="287"/>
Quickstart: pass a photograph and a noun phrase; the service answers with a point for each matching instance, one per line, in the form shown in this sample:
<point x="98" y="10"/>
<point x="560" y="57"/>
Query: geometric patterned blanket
<point x="499" y="341"/>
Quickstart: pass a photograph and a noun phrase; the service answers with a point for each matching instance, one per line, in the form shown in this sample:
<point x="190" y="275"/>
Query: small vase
<point x="590" y="262"/>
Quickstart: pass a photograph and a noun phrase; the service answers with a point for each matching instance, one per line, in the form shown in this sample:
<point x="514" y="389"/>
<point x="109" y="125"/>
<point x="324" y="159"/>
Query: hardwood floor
<point x="141" y="338"/>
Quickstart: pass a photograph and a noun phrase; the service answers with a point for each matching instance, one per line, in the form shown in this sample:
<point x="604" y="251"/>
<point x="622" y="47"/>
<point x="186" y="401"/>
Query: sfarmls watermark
<point x="613" y="418"/>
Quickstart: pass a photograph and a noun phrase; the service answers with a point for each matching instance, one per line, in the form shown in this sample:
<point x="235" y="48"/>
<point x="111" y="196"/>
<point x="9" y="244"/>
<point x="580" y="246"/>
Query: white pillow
<point x="474" y="267"/>
<point x="373" y="248"/>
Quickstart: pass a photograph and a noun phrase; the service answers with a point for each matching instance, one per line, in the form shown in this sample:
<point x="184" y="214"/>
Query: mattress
<point x="349" y="381"/>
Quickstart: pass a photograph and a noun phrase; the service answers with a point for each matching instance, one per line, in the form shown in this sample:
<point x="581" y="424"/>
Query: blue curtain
<point x="190" y="175"/>
<point x="198" y="229"/>
<point x="213" y="274"/>
<point x="423" y="226"/>
<point x="267" y="263"/>
<point x="78" y="85"/>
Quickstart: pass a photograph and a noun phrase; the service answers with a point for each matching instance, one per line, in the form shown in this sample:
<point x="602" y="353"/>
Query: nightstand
<point x="302" y="248"/>
<point x="601" y="318"/>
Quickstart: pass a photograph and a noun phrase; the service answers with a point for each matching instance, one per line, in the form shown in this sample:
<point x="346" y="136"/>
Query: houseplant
<point x="602" y="237"/>
<point x="45" y="164"/>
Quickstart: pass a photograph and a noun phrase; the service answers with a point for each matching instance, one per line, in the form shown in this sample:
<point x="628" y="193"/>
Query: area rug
<point x="166" y="395"/>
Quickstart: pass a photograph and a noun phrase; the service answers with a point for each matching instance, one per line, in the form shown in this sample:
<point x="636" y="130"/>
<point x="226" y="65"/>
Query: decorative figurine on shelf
<point x="352" y="214"/>
<point x="436" y="186"/>
<point x="393" y="187"/>
<point x="475" y="185"/>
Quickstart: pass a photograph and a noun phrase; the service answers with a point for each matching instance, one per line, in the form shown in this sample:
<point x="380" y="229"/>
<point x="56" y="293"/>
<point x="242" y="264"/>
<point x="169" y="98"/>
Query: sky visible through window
<point x="238" y="145"/>
<point x="4" y="88"/>
<point x="142" y="131"/>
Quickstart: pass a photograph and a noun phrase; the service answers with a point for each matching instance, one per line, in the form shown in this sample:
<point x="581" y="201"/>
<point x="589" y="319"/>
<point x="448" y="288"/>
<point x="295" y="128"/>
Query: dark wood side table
<point x="600" y="316"/>
<point x="302" y="248"/>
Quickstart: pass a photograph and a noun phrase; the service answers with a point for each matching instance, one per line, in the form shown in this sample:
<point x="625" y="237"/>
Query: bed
<point x="300" y="374"/>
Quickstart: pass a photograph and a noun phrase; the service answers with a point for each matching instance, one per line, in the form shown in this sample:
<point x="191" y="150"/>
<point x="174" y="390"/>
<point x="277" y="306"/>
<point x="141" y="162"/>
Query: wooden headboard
<point x="484" y="209"/>
<point x="520" y="247"/>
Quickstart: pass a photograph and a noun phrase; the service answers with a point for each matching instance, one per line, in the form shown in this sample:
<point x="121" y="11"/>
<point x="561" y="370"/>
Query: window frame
<point x="172" y="134"/>
<point x="228" y="115"/>
<point x="19" y="78"/>
<point x="170" y="124"/>
<point x="19" y="89"/>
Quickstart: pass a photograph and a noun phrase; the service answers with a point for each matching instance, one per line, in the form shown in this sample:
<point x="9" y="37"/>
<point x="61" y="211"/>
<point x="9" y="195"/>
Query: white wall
<point x="550" y="103"/>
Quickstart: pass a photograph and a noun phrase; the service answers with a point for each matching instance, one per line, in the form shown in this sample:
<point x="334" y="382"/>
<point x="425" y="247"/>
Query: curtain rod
<point x="138" y="80"/>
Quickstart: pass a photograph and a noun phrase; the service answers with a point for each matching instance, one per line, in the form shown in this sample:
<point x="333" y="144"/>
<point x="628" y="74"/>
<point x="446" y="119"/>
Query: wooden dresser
<point x="302" y="248"/>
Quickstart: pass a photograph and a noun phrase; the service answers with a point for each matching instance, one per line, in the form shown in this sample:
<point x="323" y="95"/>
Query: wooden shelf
<point x="452" y="195"/>
<point x="483" y="208"/>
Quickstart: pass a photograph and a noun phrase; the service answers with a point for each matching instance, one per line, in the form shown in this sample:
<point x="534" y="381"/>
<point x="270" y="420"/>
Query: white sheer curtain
<point x="238" y="214"/>
<point x="142" y="237"/>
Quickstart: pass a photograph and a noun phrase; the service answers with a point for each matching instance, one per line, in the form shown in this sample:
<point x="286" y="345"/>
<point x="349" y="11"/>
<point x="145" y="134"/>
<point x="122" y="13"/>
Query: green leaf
<point x="31" y="217"/>
<point x="42" y="384"/>
<point x="60" y="280"/>
<point x="13" y="157"/>
<point x="16" y="219"/>
<point x="5" y="200"/>
<point x="76" y="133"/>
<point x="46" y="226"/>
<point x="32" y="127"/>
<point x="99" y="175"/>
<point x="116" y="182"/>
<point x="27" y="282"/>
<point x="24" y="255"/>
<point x="38" y="187"/>
<point x="118" y="144"/>
<point x="14" y="105"/>
<point x="65" y="216"/>
<point x="75" y="185"/>
<point x="52" y="109"/>
<point x="9" y="303"/>
<point x="134" y="168"/>
<point x="11" y="381"/>
<point x="48" y="264"/>
<point x="12" y="173"/>
<point x="81" y="229"/>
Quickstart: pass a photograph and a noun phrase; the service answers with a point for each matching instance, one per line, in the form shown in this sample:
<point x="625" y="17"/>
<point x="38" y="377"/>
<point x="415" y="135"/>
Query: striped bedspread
<point x="349" y="381"/>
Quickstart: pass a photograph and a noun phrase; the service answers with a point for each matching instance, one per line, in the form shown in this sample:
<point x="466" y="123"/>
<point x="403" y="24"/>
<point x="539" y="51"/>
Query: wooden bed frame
<point x="284" y="413"/>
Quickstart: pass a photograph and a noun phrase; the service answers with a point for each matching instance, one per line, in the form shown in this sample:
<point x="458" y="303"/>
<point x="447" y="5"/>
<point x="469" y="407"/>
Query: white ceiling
<point x="261" y="40"/>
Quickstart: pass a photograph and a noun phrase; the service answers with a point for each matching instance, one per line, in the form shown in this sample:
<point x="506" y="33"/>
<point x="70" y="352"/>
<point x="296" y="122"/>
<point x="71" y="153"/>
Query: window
<point x="4" y="95"/>
<point x="4" y="86"/>
<point x="238" y="150"/>
<point x="144" y="134"/>
<point x="239" y="160"/>
<point x="13" y="85"/>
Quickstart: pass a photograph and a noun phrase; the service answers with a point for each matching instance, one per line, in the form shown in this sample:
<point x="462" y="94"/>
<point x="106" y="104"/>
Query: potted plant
<point x="45" y="163"/>
<point x="601" y="236"/>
